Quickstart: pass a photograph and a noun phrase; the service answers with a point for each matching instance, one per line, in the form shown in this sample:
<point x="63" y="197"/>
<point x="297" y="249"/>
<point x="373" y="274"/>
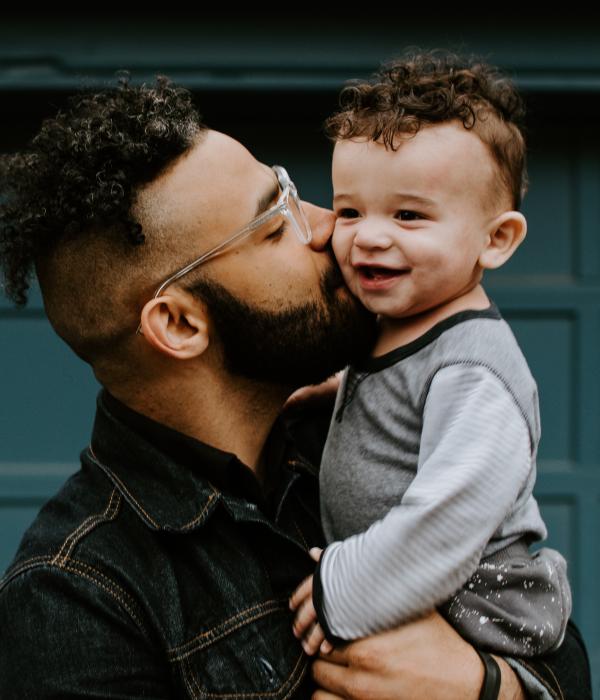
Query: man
<point x="202" y="293"/>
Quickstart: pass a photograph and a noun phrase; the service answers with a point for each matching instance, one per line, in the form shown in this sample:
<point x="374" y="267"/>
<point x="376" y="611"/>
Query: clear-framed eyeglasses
<point x="288" y="205"/>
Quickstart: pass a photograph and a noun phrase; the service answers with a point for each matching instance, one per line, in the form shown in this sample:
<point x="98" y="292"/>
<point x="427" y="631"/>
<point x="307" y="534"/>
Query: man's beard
<point x="293" y="347"/>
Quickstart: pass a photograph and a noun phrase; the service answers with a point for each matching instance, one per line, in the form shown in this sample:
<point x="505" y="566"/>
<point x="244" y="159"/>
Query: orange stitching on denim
<point x="110" y="589"/>
<point x="562" y="697"/>
<point x="223" y="634"/>
<point x="299" y="679"/>
<point x="89" y="522"/>
<point x="224" y="628"/>
<point x="87" y="526"/>
<point x="123" y="487"/>
<point x="536" y="675"/>
<point x="27" y="564"/>
<point x="186" y="679"/>
<point x="192" y="676"/>
<point x="205" y="694"/>
<point x="82" y="565"/>
<point x="304" y="542"/>
<point x="191" y="524"/>
<point x="74" y="566"/>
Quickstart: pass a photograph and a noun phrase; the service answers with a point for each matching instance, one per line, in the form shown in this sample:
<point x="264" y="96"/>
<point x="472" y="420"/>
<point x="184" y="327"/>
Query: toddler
<point x="430" y="461"/>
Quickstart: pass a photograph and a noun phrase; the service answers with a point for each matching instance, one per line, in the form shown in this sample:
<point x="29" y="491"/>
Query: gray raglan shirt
<point x="429" y="466"/>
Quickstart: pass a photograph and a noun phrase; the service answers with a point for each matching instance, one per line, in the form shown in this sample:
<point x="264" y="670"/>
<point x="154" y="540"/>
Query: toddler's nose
<point x="372" y="235"/>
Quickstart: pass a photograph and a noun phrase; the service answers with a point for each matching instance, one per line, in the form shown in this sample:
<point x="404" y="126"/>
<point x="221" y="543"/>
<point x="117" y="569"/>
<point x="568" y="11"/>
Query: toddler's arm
<point x="475" y="456"/>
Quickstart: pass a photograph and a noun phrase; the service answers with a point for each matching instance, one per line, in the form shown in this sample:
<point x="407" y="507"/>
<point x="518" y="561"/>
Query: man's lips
<point x="378" y="276"/>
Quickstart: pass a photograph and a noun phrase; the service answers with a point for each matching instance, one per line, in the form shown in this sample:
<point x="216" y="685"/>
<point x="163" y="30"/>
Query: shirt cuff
<point x="319" y="605"/>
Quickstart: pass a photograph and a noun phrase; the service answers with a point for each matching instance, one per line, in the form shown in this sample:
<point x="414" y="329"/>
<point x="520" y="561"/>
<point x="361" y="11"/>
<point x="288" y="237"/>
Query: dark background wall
<point x="270" y="83"/>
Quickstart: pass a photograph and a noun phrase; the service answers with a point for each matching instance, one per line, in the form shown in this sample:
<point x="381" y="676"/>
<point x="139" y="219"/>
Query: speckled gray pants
<point x="516" y="603"/>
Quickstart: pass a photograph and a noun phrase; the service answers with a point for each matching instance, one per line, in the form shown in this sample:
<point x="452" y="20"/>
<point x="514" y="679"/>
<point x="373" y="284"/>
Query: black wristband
<point x="490" y="688"/>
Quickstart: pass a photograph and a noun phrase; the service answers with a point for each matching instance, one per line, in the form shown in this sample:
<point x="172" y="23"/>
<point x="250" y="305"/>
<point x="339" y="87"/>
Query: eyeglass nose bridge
<point x="300" y="222"/>
<point x="302" y="237"/>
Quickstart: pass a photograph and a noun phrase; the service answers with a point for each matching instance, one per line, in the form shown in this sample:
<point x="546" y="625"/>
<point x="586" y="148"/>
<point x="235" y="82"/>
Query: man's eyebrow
<point x="266" y="199"/>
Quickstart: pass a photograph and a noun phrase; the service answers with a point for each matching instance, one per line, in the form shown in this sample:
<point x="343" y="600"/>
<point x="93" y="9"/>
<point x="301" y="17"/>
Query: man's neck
<point x="230" y="413"/>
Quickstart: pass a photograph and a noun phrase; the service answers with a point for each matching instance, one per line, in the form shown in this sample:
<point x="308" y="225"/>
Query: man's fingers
<point x="343" y="681"/>
<point x="301" y="593"/>
<point x="337" y="656"/>
<point x="324" y="695"/>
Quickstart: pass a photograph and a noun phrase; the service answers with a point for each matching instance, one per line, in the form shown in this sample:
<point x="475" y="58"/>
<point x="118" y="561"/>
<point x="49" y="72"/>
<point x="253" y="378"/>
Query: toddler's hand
<point x="305" y="625"/>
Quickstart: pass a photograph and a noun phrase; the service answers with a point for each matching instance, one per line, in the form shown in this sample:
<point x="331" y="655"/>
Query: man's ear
<point x="506" y="233"/>
<point x="176" y="324"/>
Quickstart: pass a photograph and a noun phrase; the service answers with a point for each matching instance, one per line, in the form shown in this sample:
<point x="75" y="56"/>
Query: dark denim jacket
<point x="145" y="578"/>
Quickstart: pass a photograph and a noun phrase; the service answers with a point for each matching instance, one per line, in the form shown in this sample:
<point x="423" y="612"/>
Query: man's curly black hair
<point x="66" y="207"/>
<point x="425" y="87"/>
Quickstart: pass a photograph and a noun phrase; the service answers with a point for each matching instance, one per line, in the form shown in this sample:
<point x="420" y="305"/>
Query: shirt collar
<point x="172" y="480"/>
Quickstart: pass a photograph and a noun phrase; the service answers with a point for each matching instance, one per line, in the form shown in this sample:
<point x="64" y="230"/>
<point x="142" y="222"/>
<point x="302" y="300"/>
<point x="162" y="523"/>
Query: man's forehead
<point x="215" y="167"/>
<point x="212" y="189"/>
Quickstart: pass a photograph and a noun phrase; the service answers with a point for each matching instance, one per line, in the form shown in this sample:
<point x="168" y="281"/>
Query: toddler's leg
<point x="516" y="603"/>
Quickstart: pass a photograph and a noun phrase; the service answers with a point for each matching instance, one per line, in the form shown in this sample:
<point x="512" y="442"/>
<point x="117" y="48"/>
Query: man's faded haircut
<point x="422" y="88"/>
<point x="66" y="211"/>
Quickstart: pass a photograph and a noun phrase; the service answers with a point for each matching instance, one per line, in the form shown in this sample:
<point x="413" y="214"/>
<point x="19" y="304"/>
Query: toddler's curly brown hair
<point x="426" y="87"/>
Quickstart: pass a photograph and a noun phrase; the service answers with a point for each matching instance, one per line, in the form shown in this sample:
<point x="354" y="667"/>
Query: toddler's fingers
<point x="313" y="640"/>
<point x="305" y="617"/>
<point x="301" y="593"/>
<point x="315" y="553"/>
<point x="326" y="647"/>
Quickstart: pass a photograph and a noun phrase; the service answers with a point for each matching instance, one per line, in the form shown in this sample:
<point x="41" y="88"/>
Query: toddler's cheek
<point x="341" y="244"/>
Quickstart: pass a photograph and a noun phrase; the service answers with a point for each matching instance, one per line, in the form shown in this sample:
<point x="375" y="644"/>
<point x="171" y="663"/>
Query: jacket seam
<point x="110" y="587"/>
<point x="122" y="486"/>
<point x="111" y="474"/>
<point x="110" y="513"/>
<point x="543" y="681"/>
<point x="562" y="697"/>
<point x="25" y="566"/>
<point x="200" y="515"/>
<point x="79" y="568"/>
<point x="225" y="628"/>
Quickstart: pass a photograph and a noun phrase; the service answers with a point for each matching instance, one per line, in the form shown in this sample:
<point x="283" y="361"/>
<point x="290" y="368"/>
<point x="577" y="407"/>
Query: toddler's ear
<point x="505" y="234"/>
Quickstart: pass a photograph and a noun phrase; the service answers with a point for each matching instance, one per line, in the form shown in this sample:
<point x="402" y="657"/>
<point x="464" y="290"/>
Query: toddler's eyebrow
<point x="401" y="195"/>
<point x="415" y="198"/>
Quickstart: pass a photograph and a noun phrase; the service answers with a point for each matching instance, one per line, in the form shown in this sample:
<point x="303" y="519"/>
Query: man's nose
<point x="322" y="223"/>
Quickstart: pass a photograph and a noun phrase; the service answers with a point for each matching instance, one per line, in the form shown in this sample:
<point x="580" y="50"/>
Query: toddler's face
<point x="411" y="224"/>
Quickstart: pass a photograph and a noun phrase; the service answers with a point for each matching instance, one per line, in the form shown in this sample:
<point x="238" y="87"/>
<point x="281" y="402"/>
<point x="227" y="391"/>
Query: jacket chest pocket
<point x="252" y="655"/>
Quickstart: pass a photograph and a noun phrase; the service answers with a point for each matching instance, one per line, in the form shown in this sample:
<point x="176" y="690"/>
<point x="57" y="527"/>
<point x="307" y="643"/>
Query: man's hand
<point x="422" y="659"/>
<point x="306" y="626"/>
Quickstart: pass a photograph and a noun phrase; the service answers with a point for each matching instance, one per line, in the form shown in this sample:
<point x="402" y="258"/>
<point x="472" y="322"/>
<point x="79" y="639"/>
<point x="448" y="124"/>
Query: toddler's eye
<point x="410" y="215"/>
<point x="347" y="213"/>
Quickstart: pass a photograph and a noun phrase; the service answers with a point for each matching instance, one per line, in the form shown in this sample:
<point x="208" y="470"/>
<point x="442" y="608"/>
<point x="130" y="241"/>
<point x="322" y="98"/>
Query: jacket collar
<point x="173" y="481"/>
